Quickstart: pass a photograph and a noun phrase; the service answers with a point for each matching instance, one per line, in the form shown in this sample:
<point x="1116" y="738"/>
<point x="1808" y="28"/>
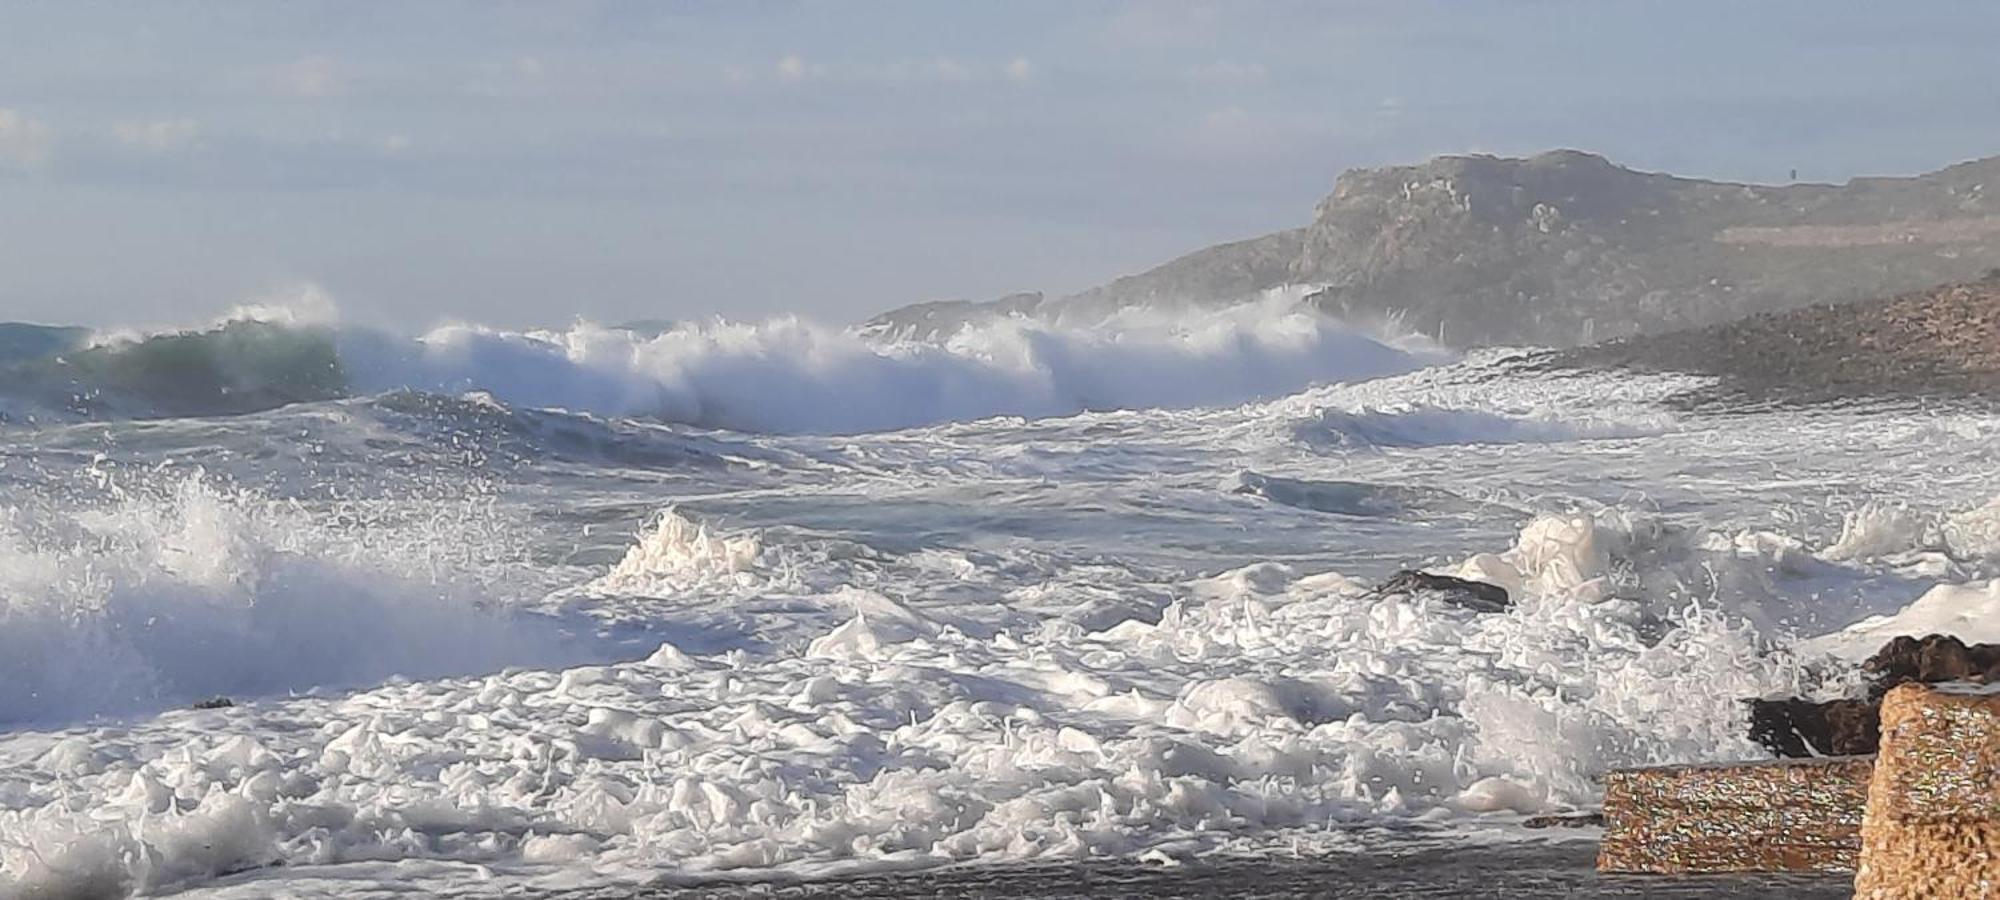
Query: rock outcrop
<point x="1797" y="728"/>
<point x="1566" y="248"/>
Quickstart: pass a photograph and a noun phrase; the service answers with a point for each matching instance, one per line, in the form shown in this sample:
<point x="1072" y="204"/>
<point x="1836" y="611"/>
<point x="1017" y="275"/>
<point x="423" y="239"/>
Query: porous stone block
<point x="1932" y="827"/>
<point x="1782" y="816"/>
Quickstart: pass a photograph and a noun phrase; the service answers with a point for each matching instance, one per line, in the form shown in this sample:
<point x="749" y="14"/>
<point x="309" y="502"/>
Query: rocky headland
<point x="1564" y="249"/>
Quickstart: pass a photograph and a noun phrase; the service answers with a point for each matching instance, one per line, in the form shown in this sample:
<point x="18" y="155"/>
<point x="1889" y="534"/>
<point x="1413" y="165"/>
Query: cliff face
<point x="1566" y="248"/>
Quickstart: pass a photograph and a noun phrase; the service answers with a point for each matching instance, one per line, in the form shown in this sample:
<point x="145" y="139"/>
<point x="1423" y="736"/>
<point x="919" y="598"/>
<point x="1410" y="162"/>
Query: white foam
<point x="187" y="591"/>
<point x="676" y="554"/>
<point x="1970" y="612"/>
<point x="787" y="375"/>
<point x="1430" y="426"/>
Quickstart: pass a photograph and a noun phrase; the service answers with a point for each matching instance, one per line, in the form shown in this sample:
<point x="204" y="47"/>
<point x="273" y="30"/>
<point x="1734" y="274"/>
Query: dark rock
<point x="1797" y="728"/>
<point x="1477" y="596"/>
<point x="1931" y="659"/>
<point x="1570" y="820"/>
<point x="214" y="703"/>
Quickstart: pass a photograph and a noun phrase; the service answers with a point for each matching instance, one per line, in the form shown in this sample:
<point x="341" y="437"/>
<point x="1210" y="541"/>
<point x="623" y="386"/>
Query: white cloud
<point x="395" y="143"/>
<point x="949" y="69"/>
<point x="24" y="142"/>
<point x="311" y="77"/>
<point x="1020" y="70"/>
<point x="795" y="68"/>
<point x="1225" y="72"/>
<point x="159" y="136"/>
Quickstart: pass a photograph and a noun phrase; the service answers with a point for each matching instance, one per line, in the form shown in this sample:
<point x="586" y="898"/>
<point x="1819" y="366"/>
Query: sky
<point x="528" y="164"/>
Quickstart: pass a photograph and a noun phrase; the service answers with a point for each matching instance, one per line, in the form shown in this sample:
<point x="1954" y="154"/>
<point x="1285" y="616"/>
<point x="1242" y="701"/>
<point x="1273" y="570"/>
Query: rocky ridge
<point x="1565" y="248"/>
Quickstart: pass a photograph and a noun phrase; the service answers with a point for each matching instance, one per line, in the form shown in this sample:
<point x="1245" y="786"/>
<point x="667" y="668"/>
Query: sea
<point x="294" y="608"/>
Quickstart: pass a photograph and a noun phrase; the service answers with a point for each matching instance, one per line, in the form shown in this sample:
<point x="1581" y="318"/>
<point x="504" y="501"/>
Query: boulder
<point x="1932" y="659"/>
<point x="1797" y="728"/>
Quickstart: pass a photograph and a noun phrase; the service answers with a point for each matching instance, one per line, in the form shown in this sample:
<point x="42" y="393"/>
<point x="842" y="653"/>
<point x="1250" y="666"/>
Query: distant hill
<point x="1945" y="340"/>
<point x="1566" y="248"/>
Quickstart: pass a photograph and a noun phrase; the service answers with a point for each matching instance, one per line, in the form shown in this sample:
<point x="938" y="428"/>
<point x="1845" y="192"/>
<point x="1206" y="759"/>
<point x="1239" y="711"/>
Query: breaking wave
<point x="778" y="376"/>
<point x="184" y="591"/>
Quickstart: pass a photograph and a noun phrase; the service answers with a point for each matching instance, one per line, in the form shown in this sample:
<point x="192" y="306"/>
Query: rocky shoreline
<point x="1941" y="343"/>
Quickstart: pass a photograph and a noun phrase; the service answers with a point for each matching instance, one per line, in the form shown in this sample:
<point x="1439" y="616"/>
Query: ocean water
<point x="577" y="610"/>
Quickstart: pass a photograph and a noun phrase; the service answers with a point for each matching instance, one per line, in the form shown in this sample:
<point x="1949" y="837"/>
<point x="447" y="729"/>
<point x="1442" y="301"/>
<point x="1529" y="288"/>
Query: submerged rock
<point x="1569" y="820"/>
<point x="1477" y="596"/>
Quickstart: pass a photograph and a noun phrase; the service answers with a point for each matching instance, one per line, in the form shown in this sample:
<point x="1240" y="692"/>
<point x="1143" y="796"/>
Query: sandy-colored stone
<point x="1785" y="816"/>
<point x="1932" y="827"/>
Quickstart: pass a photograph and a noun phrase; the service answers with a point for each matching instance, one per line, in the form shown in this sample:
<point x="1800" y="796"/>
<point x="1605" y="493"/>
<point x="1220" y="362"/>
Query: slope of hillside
<point x="1945" y="340"/>
<point x="1565" y="248"/>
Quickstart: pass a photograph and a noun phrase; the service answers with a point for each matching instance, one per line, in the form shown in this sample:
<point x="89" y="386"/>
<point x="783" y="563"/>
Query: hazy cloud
<point x="159" y="136"/>
<point x="1019" y="70"/>
<point x="311" y="77"/>
<point x="24" y="142"/>
<point x="795" y="68"/>
<point x="1225" y="72"/>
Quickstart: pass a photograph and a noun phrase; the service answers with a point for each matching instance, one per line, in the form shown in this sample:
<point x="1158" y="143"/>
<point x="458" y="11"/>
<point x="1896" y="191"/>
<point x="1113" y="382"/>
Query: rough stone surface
<point x="1934" y="658"/>
<point x="1932" y="827"/>
<point x="1789" y="816"/>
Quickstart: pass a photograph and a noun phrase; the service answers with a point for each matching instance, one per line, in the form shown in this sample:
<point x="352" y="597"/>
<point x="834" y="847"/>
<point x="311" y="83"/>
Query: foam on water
<point x="541" y="649"/>
<point x="183" y="590"/>
<point x="1433" y="426"/>
<point x="1262" y="699"/>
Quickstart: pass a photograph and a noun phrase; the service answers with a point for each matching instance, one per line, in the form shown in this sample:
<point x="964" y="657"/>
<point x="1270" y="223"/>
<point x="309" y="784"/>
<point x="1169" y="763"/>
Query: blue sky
<point x="528" y="163"/>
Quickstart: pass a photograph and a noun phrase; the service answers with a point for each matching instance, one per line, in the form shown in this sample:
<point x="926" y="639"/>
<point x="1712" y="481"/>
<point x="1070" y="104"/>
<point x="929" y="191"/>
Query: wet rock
<point x="214" y="703"/>
<point x="1477" y="596"/>
<point x="1568" y="820"/>
<point x="1792" y="727"/>
<point x="1931" y="659"/>
<point x="1798" y="729"/>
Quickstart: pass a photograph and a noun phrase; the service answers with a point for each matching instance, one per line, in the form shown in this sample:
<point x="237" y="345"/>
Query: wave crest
<point x="779" y="376"/>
